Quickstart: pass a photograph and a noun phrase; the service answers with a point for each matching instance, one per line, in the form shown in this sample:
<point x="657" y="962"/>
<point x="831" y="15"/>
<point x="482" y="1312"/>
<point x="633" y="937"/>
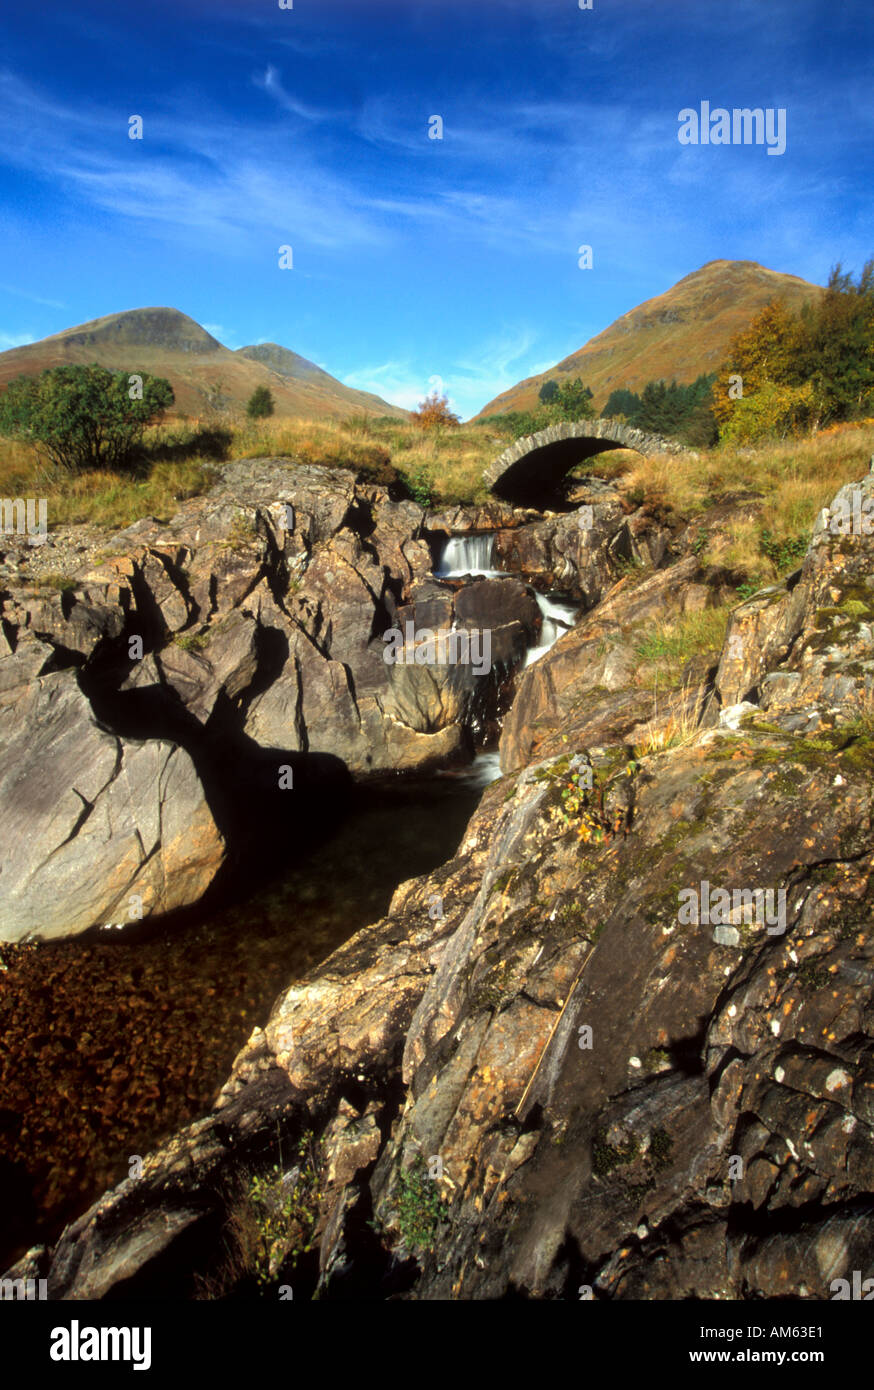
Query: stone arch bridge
<point x="532" y="470"/>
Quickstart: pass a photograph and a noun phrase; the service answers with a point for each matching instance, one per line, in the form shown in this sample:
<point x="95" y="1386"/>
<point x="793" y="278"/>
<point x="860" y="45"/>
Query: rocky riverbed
<point x="113" y="1040"/>
<point x="529" y="1075"/>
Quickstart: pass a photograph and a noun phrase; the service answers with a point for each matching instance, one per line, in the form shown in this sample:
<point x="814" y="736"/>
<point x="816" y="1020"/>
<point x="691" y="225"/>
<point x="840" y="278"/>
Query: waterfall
<point x="466" y="555"/>
<point x="472" y="555"/>
<point x="557" y="619"/>
<point x="485" y="769"/>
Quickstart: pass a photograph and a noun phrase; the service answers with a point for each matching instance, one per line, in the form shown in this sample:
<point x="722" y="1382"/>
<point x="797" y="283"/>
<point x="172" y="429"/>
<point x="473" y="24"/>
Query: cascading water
<point x="558" y="618"/>
<point x="472" y="555"/>
<point x="467" y="555"/>
<point x="485" y="768"/>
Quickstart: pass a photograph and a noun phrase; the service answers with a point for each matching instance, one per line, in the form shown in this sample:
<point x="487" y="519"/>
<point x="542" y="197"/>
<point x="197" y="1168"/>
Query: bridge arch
<point x="531" y="472"/>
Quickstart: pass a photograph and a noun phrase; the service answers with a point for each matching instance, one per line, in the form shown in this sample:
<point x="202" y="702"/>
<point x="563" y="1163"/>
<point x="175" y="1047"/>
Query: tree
<point x="260" y="403"/>
<point x="680" y="412"/>
<point x="434" y="411"/>
<point x="812" y="368"/>
<point x="836" y="346"/>
<point x="622" y="401"/>
<point x="770" y="412"/>
<point x="573" y="401"/>
<point x="84" y="417"/>
<point x="761" y="353"/>
<point x="656" y="402"/>
<point x="698" y="429"/>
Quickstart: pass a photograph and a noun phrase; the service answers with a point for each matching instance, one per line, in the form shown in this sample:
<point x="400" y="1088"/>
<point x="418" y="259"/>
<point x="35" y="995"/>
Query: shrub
<point x="784" y="553"/>
<point x="419" y="486"/>
<point x="770" y="412"/>
<point x="420" y="1207"/>
<point x="434" y="411"/>
<point x="84" y="417"/>
<point x="286" y="1209"/>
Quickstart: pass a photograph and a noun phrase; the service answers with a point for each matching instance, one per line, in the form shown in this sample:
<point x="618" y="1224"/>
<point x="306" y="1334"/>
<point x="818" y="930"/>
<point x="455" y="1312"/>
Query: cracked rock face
<point x="159" y="687"/>
<point x="610" y="1093"/>
<point x="88" y="820"/>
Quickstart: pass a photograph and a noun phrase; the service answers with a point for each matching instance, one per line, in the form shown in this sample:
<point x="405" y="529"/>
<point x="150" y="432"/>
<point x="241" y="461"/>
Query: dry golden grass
<point x="676" y="727"/>
<point x="101" y="498"/>
<point x="447" y="463"/>
<point x="442" y="466"/>
<point x="795" y="478"/>
<point x="663" y="651"/>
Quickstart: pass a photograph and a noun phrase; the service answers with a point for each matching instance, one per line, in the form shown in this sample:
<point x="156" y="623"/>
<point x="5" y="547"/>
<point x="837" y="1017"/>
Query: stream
<point x="113" y="1043"/>
<point x="473" y="555"/>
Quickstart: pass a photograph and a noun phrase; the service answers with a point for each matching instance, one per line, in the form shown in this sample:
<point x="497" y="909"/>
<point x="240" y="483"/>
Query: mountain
<point x="678" y="335"/>
<point x="204" y="373"/>
<point x="285" y="362"/>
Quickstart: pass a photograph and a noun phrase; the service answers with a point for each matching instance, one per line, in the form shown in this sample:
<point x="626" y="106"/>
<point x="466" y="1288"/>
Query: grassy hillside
<point x="794" y="480"/>
<point x="680" y="334"/>
<point x="205" y="375"/>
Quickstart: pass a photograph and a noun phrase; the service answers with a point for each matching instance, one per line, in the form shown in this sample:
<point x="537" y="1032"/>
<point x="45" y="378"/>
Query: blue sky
<point x="416" y="258"/>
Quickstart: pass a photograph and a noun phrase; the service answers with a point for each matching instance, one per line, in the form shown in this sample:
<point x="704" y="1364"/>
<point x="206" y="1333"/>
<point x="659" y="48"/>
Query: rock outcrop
<point x="94" y="828"/>
<point x="566" y="1063"/>
<point x="193" y="673"/>
<point x="585" y="688"/>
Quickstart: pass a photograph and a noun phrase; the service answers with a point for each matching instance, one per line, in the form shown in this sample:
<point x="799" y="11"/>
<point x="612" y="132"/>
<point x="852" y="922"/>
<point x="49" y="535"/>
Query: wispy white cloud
<point x="13" y="340"/>
<point x="397" y="382"/>
<point x="222" y="179"/>
<point x="218" y="330"/>
<point x="33" y="298"/>
<point x="212" y="178"/>
<point x="493" y="367"/>
<point x="469" y="381"/>
<point x="271" y="83"/>
<point x="541" y="176"/>
<point x="510" y="177"/>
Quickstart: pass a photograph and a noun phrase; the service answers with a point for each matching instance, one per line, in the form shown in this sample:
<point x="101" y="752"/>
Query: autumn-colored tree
<point x="810" y="369"/>
<point x="434" y="411"/>
<point x="771" y="412"/>
<point x="761" y="353"/>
